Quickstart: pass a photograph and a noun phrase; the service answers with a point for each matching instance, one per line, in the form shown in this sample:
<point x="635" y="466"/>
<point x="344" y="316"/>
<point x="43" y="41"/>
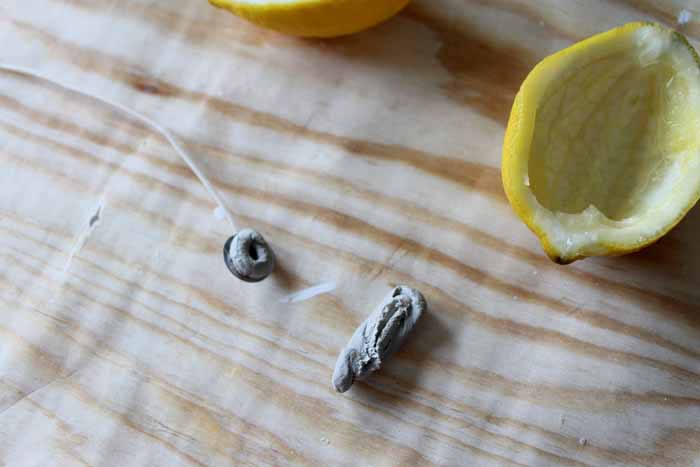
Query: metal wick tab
<point x="248" y="256"/>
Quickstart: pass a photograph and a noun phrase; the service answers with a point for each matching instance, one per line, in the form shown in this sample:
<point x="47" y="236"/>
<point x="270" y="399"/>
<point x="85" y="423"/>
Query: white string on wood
<point x="309" y="293"/>
<point x="140" y="117"/>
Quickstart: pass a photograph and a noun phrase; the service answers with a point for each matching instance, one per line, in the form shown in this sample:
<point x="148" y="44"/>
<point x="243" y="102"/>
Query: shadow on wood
<point x="671" y="266"/>
<point x="474" y="71"/>
<point x="283" y="277"/>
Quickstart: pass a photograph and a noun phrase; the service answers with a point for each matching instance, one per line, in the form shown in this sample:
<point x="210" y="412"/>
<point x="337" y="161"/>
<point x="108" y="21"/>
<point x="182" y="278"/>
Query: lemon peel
<point x="313" y="18"/>
<point x="602" y="149"/>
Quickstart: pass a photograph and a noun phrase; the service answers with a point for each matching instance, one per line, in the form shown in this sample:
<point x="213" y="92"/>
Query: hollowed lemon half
<point x="602" y="149"/>
<point x="314" y="18"/>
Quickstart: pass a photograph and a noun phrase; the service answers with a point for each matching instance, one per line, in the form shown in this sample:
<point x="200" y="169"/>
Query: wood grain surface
<point x="368" y="161"/>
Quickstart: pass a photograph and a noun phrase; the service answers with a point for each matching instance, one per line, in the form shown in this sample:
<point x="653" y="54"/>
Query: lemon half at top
<point x="602" y="150"/>
<point x="314" y="18"/>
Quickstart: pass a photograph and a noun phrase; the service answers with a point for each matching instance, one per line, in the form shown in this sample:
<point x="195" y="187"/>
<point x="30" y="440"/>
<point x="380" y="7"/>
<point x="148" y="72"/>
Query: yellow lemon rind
<point x="514" y="144"/>
<point x="315" y="18"/>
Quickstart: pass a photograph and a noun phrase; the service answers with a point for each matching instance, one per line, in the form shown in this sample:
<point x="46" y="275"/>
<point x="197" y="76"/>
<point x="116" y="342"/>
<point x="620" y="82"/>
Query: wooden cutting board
<point x="366" y="161"/>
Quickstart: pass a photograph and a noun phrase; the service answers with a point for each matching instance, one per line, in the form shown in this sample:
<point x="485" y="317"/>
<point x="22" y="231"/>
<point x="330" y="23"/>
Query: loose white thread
<point x="311" y="292"/>
<point x="142" y="118"/>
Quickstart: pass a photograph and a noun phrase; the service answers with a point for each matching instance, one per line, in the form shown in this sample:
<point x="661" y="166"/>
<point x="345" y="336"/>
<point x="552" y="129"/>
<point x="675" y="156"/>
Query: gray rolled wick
<point x="248" y="256"/>
<point x="380" y="335"/>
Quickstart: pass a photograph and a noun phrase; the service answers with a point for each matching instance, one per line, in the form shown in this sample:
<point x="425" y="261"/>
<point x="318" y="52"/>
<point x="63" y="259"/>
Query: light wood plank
<point x="369" y="161"/>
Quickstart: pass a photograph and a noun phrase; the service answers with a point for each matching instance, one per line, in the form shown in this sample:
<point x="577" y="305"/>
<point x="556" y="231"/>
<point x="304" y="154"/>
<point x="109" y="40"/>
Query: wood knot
<point x="151" y="85"/>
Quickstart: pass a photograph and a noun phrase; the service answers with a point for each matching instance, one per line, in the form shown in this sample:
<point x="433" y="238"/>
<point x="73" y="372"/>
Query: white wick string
<point x="142" y="118"/>
<point x="309" y="293"/>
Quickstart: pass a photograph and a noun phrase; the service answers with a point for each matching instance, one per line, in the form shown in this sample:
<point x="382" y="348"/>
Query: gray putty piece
<point x="248" y="256"/>
<point x="380" y="335"/>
